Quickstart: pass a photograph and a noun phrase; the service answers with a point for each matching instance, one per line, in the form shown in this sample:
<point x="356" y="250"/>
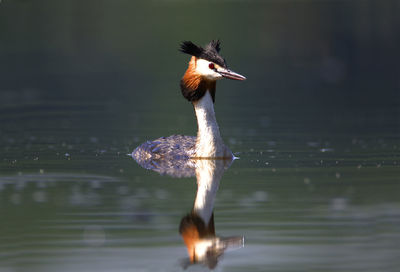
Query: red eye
<point x="211" y="66"/>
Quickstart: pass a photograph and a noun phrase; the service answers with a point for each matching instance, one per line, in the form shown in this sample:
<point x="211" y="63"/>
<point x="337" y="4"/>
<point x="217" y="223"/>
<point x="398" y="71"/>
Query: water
<point x="316" y="127"/>
<point x="301" y="205"/>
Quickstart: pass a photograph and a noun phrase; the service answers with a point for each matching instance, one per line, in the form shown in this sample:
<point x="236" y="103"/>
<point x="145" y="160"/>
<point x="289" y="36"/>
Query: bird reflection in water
<point x="197" y="228"/>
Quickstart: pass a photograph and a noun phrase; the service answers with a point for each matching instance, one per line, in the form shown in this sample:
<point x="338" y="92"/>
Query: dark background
<point x="332" y="62"/>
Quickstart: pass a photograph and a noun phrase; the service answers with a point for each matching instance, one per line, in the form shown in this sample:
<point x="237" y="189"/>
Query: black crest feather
<point x="216" y="44"/>
<point x="190" y="48"/>
<point x="210" y="52"/>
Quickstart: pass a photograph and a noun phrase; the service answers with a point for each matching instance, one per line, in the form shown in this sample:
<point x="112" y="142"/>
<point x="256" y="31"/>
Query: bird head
<point x="209" y="63"/>
<point x="205" y="67"/>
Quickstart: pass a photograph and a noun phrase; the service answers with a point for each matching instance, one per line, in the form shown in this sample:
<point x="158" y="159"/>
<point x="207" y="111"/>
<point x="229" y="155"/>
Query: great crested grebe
<point x="198" y="85"/>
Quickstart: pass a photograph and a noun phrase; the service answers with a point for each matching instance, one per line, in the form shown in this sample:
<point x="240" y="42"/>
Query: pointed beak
<point x="230" y="74"/>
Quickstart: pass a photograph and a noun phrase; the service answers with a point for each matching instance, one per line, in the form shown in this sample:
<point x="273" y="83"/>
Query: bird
<point x="198" y="86"/>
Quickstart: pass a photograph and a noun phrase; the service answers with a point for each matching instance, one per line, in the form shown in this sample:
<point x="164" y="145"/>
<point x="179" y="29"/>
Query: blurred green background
<point x="334" y="59"/>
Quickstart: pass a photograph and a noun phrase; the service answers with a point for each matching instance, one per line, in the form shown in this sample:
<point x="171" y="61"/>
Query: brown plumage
<point x="191" y="79"/>
<point x="194" y="85"/>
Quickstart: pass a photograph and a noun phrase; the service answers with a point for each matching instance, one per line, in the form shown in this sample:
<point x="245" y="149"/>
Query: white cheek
<point x="203" y="69"/>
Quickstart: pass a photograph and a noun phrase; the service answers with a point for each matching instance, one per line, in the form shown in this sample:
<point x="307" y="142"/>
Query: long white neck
<point x="209" y="143"/>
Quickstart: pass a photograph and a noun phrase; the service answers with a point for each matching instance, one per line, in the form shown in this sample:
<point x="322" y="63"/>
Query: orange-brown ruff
<point x="194" y="81"/>
<point x="191" y="79"/>
<point x="198" y="85"/>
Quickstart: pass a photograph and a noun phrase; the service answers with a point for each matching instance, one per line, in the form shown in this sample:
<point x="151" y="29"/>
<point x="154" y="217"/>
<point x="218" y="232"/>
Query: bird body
<point x="198" y="85"/>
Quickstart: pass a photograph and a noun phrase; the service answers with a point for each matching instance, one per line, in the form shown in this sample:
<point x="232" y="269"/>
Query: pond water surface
<point x="75" y="200"/>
